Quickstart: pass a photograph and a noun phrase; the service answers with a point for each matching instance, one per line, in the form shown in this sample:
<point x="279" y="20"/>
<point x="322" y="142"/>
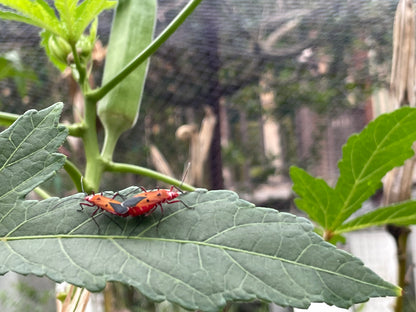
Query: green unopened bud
<point x="59" y="48"/>
<point x="84" y="47"/>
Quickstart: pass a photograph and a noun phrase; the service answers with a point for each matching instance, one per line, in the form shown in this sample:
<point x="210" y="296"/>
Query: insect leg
<point x="179" y="201"/>
<point x="85" y="204"/>
<point x="161" y="216"/>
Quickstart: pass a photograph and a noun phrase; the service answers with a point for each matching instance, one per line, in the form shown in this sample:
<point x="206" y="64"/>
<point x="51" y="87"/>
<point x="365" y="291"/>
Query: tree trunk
<point x="210" y="35"/>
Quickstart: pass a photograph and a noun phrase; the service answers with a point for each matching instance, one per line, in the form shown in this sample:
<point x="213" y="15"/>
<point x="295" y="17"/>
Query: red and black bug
<point x="146" y="202"/>
<point x="108" y="204"/>
<point x="105" y="203"/>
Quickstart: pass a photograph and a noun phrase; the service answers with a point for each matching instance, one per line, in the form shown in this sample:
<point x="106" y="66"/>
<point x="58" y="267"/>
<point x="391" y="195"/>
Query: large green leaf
<point x="384" y="144"/>
<point x="27" y="154"/>
<point x="222" y="249"/>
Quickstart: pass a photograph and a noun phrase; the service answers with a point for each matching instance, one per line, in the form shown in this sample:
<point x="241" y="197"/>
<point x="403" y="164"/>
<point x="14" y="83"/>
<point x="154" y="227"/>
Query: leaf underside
<point x="222" y="249"/>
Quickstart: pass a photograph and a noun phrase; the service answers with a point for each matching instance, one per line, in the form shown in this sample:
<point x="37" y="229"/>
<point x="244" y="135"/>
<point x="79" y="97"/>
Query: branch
<point x="6" y="119"/>
<point x="74" y="174"/>
<point x="99" y="93"/>
<point x="121" y="167"/>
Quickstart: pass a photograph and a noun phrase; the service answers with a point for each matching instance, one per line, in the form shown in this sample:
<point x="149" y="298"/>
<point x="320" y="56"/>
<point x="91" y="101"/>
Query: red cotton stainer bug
<point x="105" y="203"/>
<point x="145" y="203"/>
<point x="108" y="204"/>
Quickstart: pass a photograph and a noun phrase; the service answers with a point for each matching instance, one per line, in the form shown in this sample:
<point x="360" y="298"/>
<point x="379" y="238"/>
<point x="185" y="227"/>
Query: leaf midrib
<point x="114" y="238"/>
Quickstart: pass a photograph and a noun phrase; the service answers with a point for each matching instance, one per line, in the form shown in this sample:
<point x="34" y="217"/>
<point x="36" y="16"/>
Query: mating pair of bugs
<point x="141" y="204"/>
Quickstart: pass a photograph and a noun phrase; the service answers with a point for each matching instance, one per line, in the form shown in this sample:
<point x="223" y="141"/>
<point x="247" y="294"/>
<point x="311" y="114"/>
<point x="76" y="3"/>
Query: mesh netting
<point x="290" y="64"/>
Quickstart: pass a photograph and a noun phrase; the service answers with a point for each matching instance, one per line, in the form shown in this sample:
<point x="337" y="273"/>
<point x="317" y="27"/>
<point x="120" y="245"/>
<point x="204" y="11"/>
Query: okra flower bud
<point x="132" y="31"/>
<point x="59" y="48"/>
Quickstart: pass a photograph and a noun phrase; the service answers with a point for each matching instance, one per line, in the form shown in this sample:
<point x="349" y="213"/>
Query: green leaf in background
<point x="399" y="214"/>
<point x="27" y="154"/>
<point x="316" y="198"/>
<point x="384" y="144"/>
<point x="132" y="31"/>
<point x="222" y="249"/>
<point x="11" y="67"/>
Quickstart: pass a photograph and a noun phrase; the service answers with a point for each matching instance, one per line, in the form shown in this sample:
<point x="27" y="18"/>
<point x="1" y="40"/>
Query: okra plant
<point x="209" y="248"/>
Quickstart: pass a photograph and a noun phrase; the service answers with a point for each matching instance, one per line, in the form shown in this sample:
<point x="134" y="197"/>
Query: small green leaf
<point x="316" y="198"/>
<point x="384" y="144"/>
<point x="27" y="155"/>
<point x="66" y="9"/>
<point x="398" y="214"/>
<point x="87" y="11"/>
<point x="222" y="249"/>
<point x="93" y="31"/>
<point x="73" y="18"/>
<point x="15" y="17"/>
<point x="37" y="13"/>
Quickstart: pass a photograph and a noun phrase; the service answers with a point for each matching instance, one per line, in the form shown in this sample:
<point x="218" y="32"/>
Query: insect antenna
<point x="82" y="184"/>
<point x="188" y="166"/>
<point x="137" y="188"/>
<point x="178" y="188"/>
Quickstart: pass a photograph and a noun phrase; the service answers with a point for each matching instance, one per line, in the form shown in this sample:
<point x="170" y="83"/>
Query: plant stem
<point x="110" y="141"/>
<point x="6" y="119"/>
<point x="74" y="174"/>
<point x="94" y="164"/>
<point x="401" y="241"/>
<point x="99" y="93"/>
<point x="75" y="130"/>
<point x="78" y="65"/>
<point x="41" y="193"/>
<point x="121" y="167"/>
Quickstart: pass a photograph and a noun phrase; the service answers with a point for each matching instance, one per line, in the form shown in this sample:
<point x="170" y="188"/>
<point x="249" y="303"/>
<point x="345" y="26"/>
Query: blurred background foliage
<point x="326" y="56"/>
